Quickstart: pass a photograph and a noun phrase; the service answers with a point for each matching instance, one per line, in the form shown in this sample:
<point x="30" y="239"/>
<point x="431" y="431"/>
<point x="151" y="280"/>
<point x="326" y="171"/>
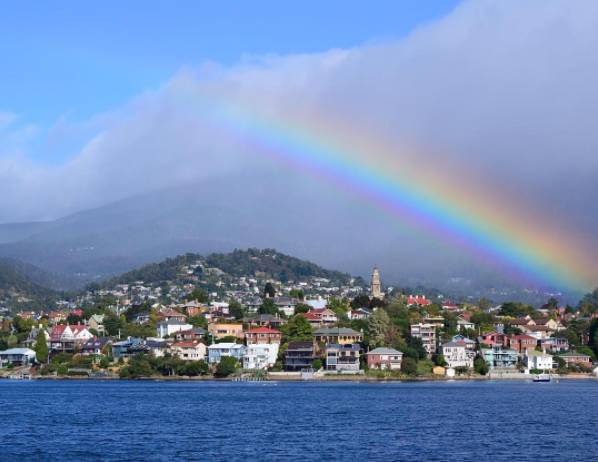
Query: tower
<point x="375" y="287"/>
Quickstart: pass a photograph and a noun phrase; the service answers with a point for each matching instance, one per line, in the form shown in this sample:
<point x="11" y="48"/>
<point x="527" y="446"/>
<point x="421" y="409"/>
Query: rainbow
<point x="524" y="246"/>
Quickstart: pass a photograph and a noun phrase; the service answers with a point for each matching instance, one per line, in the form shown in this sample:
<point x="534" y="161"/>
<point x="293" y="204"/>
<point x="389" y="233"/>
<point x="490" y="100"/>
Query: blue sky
<point x="72" y="59"/>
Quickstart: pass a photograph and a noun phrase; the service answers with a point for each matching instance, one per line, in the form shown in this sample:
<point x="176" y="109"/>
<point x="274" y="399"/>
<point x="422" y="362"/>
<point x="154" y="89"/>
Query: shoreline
<point x="325" y="378"/>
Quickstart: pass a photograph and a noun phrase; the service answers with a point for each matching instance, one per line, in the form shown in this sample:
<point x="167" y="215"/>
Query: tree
<point x="194" y="368"/>
<point x="409" y="366"/>
<point x="297" y="329"/>
<point x="226" y="367"/>
<point x="593" y="343"/>
<point x="439" y="360"/>
<point x="139" y="366"/>
<point x="378" y="326"/>
<point x="269" y="290"/>
<point x="236" y="310"/>
<point x="199" y="295"/>
<point x="268" y="307"/>
<point x="296" y="293"/>
<point x="41" y="347"/>
<point x="317" y="364"/>
<point x="360" y="301"/>
<point x="480" y="365"/>
<point x="515" y="310"/>
<point x="112" y="324"/>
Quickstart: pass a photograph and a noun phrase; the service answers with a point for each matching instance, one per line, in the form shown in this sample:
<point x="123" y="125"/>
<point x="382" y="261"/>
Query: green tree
<point x="194" y="368"/>
<point x="269" y="290"/>
<point x="378" y="326"/>
<point x="199" y="295"/>
<point x="480" y="365"/>
<point x="439" y="360"/>
<point x="41" y="347"/>
<point x="593" y="333"/>
<point x="139" y="366"/>
<point x="268" y="307"/>
<point x="297" y="329"/>
<point x="226" y="367"/>
<point x="409" y="366"/>
<point x="317" y="364"/>
<point x="296" y="293"/>
<point x="236" y="310"/>
<point x="112" y="324"/>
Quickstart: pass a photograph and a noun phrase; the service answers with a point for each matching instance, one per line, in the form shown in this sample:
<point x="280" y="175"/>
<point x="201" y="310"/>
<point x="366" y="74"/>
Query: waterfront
<point x="160" y="421"/>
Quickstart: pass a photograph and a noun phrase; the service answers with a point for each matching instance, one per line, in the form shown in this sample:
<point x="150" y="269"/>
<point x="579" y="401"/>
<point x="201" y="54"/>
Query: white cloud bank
<point x="505" y="86"/>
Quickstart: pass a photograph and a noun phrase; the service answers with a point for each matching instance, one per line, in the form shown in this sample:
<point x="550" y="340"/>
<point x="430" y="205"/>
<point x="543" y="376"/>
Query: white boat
<point x="542" y="378"/>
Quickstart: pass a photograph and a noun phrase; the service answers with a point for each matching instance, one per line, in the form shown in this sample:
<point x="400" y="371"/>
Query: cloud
<point x="505" y="87"/>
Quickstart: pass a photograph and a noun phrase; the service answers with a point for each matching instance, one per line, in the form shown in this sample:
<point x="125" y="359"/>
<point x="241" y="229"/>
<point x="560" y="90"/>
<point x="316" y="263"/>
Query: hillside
<point x="24" y="284"/>
<point x="266" y="263"/>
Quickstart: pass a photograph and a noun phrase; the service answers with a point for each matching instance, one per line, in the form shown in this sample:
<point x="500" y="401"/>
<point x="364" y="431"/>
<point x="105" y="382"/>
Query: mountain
<point x="267" y="263"/>
<point x="24" y="284"/>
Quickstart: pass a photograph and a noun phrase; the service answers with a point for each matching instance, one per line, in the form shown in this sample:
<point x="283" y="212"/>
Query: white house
<point x="456" y="354"/>
<point x="17" y="356"/>
<point x="221" y="350"/>
<point x="537" y="360"/>
<point x="260" y="355"/>
<point x="166" y="328"/>
<point x="189" y="350"/>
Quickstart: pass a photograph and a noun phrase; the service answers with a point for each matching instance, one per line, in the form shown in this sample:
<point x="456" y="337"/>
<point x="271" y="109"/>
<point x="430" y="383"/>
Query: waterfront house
<point x="537" y="360"/>
<point x="69" y="337"/>
<point x="573" y="358"/>
<point x="218" y="351"/>
<point x="169" y="327"/>
<point x="342" y="358"/>
<point x="299" y="356"/>
<point x="554" y="344"/>
<point x="220" y="330"/>
<point x="341" y="335"/>
<point x="94" y="346"/>
<point x="469" y="343"/>
<point x="427" y="334"/>
<point x="189" y="350"/>
<point x="456" y="354"/>
<point x="123" y="348"/>
<point x="384" y="359"/>
<point x="498" y="357"/>
<point x="17" y="357"/>
<point x="155" y="346"/>
<point x="260" y="355"/>
<point x="263" y="335"/>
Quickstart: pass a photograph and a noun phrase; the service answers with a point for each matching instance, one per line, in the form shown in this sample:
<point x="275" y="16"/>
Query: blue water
<point x="225" y="421"/>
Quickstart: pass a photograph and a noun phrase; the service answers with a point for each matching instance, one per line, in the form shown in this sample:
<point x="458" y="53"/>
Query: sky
<point x="495" y="97"/>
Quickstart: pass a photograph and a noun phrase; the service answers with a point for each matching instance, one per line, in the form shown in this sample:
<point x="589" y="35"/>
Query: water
<point x="225" y="421"/>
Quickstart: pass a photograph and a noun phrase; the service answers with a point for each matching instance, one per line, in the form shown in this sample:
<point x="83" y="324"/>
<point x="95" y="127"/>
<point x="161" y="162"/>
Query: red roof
<point x="418" y="300"/>
<point x="263" y="330"/>
<point x="311" y="316"/>
<point x="185" y="344"/>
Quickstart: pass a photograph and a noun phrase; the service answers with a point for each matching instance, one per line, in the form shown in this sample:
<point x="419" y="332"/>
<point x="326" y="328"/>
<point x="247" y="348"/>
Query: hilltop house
<point x="96" y="322"/>
<point x="196" y="333"/>
<point x="171" y="326"/>
<point x="418" y="300"/>
<point x="384" y="359"/>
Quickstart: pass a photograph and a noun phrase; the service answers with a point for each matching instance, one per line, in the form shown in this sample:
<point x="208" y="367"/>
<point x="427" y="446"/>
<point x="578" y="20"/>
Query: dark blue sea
<point x="227" y="421"/>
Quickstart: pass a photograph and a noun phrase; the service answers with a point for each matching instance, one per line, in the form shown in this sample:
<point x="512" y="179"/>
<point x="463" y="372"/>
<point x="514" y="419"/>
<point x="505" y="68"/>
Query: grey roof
<point x="384" y="351"/>
<point x="336" y="331"/>
<point x="18" y="351"/>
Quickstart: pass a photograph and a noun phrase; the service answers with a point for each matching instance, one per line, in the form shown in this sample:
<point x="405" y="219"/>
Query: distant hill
<point x="267" y="263"/>
<point x="22" y="283"/>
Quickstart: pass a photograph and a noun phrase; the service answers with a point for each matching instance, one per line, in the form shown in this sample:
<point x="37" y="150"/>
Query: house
<point x="554" y="344"/>
<point x="498" y="357"/>
<point x="522" y="343"/>
<point x="327" y="316"/>
<point x="196" y="333"/>
<point x="69" y="337"/>
<point x="537" y="360"/>
<point x="493" y="339"/>
<point x="342" y="358"/>
<point x="418" y="300"/>
<point x="359" y="313"/>
<point x="456" y="354"/>
<point x="450" y="306"/>
<point x="94" y="346"/>
<point x="266" y="320"/>
<point x="384" y="359"/>
<point x="17" y="357"/>
<point x="316" y="303"/>
<point x="427" y="334"/>
<point x="314" y="319"/>
<point x="142" y="318"/>
<point x="573" y="358"/>
<point x="539" y="332"/>
<point x="260" y="355"/>
<point x="469" y="344"/>
<point x="218" y="351"/>
<point x="169" y="327"/>
<point x="155" y="346"/>
<point x="299" y="356"/>
<point x="123" y="349"/>
<point x="263" y="335"/>
<point x="220" y="330"/>
<point x="551" y="324"/>
<point x="96" y="322"/>
<point x="170" y="314"/>
<point x="463" y="324"/>
<point x="189" y="350"/>
<point x="341" y="335"/>
<point x="286" y="305"/>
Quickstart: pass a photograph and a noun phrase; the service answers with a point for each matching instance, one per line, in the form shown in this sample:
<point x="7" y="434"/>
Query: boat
<point x="542" y="378"/>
